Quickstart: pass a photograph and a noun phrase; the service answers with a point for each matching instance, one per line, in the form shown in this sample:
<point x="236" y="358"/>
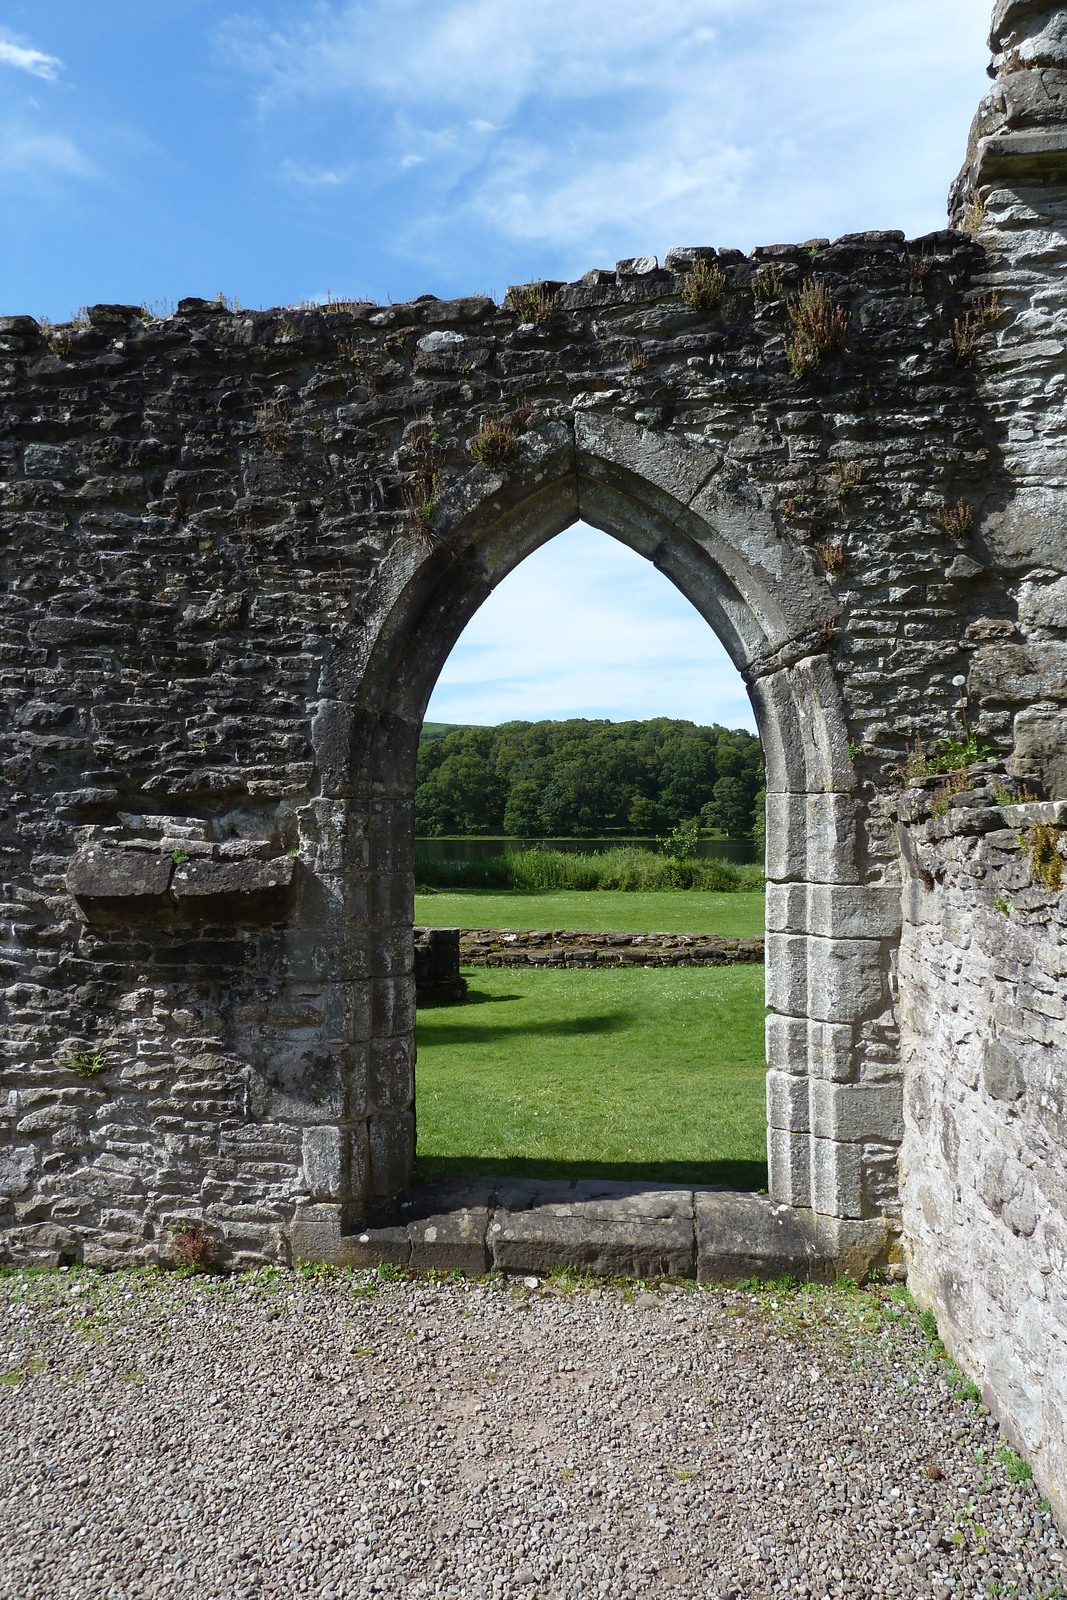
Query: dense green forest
<point x="566" y="779"/>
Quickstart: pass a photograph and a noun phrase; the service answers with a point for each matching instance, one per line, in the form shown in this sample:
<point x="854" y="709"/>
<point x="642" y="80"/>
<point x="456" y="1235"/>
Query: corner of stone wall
<point x="983" y="1003"/>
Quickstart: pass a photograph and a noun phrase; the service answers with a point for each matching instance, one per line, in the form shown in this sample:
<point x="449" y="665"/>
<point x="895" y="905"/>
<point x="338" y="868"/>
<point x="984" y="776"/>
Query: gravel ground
<point x="278" y="1435"/>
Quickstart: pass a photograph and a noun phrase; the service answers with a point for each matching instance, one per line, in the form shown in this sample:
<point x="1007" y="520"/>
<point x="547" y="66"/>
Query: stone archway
<point x="833" y="1122"/>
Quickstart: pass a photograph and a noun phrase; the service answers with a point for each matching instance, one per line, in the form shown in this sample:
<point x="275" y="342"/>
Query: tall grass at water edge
<point x="625" y="867"/>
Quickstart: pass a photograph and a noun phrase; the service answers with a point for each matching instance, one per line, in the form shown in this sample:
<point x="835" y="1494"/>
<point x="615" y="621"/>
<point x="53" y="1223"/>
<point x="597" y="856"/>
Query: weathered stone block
<point x="789" y="1166"/>
<point x="111" y="884"/>
<point x="834" y="911"/>
<point x="749" y="1236"/>
<point x="538" y="1241"/>
<point x="787" y="1102"/>
<point x="813" y="838"/>
<point x="392" y="1151"/>
<point x="856" y="1112"/>
<point x="324" y="1162"/>
<point x="452" y="1241"/>
<point x="225" y="891"/>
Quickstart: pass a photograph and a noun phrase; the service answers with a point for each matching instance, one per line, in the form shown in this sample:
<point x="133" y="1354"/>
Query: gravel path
<point x="279" y="1435"/>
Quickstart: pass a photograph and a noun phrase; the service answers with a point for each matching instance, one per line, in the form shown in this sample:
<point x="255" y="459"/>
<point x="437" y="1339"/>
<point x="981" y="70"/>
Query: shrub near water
<point x="626" y="867"/>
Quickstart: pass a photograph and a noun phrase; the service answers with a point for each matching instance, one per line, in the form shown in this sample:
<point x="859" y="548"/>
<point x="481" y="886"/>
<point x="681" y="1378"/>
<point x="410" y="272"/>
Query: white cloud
<point x="26" y="59"/>
<point x="590" y="130"/>
<point x="585" y="627"/>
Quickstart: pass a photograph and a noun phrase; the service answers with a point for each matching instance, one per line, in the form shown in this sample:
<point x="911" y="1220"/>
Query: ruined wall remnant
<point x="237" y="549"/>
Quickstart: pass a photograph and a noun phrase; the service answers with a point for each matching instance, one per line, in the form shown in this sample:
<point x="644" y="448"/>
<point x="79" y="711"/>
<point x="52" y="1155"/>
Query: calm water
<point x="742" y="851"/>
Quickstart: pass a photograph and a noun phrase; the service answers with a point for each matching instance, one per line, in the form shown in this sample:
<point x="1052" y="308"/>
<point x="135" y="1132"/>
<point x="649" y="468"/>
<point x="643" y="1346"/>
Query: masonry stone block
<point x="324" y="1162"/>
<point x="833" y="1051"/>
<point x="787" y="1102"/>
<point x="224" y="891"/>
<point x="789" y="1166"/>
<point x="856" y="1112"/>
<point x="837" y="1178"/>
<point x="392" y="1151"/>
<point x="787" y="973"/>
<point x="813" y="838"/>
<point x="786" y="1040"/>
<point x="835" y="911"/>
<point x="847" y="979"/>
<point x="117" y="884"/>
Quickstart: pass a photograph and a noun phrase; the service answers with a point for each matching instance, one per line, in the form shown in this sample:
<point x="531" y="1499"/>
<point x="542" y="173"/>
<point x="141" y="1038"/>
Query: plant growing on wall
<point x="848" y="475"/>
<point x="272" y="424"/>
<point x="495" y="441"/>
<point x="86" y="1063"/>
<point x="1042" y="845"/>
<point x="820" y="328"/>
<point x="831" y="554"/>
<point x="956" y="783"/>
<point x="957" y="521"/>
<point x="967" y="331"/>
<point x="531" y="302"/>
<point x="423" y="487"/>
<point x="767" y="284"/>
<point x="702" y="286"/>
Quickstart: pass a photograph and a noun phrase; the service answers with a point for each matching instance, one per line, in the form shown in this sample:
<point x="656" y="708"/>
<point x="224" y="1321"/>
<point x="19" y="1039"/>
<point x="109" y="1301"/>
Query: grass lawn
<point x="623" y="1072"/>
<point x="596" y="911"/>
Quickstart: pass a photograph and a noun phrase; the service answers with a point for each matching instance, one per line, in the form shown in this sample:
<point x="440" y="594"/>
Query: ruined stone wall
<point x="236" y="549"/>
<point x="983" y="986"/>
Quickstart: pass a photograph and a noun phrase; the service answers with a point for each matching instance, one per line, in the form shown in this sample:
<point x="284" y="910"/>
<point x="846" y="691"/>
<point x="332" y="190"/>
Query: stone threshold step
<point x="604" y="1228"/>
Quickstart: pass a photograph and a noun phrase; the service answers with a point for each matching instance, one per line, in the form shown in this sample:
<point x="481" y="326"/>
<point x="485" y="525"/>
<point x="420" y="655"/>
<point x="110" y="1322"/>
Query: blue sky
<point x="151" y="149"/>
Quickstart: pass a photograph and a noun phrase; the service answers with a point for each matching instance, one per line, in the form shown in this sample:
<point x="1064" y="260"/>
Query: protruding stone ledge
<point x="115" y="885"/>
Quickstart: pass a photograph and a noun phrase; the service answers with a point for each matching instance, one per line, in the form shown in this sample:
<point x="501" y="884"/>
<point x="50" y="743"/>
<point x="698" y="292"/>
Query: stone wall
<point x="983" y="985"/>
<point x="238" y="547"/>
<point x="236" y="550"/>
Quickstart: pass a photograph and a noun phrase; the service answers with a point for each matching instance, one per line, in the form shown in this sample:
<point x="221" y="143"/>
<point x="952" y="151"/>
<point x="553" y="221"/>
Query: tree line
<point x="583" y="777"/>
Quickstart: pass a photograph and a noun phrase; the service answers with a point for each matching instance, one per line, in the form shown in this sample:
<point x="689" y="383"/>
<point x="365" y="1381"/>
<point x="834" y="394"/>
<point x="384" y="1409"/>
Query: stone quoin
<point x="237" y="550"/>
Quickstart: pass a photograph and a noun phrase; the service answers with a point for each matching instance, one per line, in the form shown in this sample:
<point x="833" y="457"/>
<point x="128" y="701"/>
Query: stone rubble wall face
<point x="983" y="983"/>
<point x="215" y="528"/>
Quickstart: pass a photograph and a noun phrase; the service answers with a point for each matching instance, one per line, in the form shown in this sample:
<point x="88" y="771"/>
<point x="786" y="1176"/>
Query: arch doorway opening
<point x="589" y="813"/>
<point x="833" y="1104"/>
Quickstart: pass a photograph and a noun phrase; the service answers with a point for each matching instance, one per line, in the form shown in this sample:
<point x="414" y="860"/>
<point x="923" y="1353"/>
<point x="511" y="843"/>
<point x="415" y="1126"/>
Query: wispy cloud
<point x="26" y="59"/>
<point x="434" y="55"/>
<point x="26" y="153"/>
<point x="720" y="121"/>
<point x="317" y="177"/>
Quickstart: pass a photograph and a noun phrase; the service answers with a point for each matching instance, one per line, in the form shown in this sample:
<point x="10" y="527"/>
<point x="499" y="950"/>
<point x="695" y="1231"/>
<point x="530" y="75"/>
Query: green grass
<point x="624" y="1073"/>
<point x="597" y="911"/>
<point x="623" y="867"/>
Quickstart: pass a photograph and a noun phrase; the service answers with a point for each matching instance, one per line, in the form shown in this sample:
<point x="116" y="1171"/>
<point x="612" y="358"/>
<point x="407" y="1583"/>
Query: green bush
<point x="626" y="867"/>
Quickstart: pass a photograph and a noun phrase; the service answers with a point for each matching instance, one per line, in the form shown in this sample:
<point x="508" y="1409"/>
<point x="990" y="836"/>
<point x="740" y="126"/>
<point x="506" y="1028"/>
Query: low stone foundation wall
<point x="983" y="998"/>
<point x="486" y="947"/>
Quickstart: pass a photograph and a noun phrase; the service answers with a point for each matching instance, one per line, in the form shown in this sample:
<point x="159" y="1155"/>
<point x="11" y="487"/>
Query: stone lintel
<point x="1022" y="157"/>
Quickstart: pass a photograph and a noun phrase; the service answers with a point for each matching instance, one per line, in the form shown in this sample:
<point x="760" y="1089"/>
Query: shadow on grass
<point x="703" y="1174"/>
<point x="437" y="1034"/>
